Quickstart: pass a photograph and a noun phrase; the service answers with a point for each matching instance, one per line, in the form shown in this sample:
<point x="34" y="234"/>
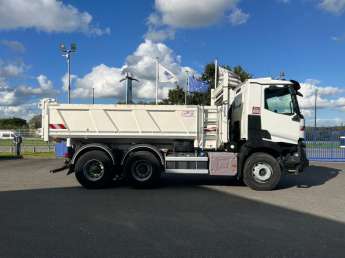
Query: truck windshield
<point x="281" y="100"/>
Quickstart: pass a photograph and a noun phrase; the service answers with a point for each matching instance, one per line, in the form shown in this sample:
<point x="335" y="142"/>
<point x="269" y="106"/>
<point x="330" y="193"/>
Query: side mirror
<point x="296" y="118"/>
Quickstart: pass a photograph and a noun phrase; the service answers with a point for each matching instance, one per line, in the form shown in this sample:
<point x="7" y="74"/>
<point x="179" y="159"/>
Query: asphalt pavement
<point x="45" y="215"/>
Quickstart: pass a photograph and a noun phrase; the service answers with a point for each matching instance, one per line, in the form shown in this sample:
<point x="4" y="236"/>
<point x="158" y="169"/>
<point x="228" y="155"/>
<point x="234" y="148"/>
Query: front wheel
<point x="262" y="172"/>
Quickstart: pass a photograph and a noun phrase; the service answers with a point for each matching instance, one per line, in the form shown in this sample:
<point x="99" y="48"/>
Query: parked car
<point x="7" y="135"/>
<point x="39" y="132"/>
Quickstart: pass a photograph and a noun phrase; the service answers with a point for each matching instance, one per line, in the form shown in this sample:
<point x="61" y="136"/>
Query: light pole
<point x="315" y="110"/>
<point x="67" y="54"/>
<point x="187" y="89"/>
<point x="157" y="79"/>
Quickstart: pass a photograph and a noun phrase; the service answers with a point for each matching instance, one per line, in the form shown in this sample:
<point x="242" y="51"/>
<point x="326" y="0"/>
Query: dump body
<point x="196" y="123"/>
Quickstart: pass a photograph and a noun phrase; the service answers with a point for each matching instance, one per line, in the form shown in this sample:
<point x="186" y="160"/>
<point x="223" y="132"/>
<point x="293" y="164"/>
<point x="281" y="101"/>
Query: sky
<point x="305" y="39"/>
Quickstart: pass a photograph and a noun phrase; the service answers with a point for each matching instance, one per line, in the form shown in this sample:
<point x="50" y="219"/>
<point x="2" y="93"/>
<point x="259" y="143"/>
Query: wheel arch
<point x="90" y="147"/>
<point x="143" y="147"/>
<point x="248" y="151"/>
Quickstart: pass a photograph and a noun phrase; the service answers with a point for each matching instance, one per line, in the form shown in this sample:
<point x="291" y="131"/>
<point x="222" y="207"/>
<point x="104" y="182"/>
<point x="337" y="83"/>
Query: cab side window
<point x="278" y="100"/>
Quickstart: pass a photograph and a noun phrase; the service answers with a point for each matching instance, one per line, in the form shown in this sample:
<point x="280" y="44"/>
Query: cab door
<point x="278" y="116"/>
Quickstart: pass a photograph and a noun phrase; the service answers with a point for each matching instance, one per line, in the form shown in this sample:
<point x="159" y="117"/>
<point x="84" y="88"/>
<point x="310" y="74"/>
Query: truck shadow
<point x="197" y="180"/>
<point x="311" y="177"/>
<point x="169" y="222"/>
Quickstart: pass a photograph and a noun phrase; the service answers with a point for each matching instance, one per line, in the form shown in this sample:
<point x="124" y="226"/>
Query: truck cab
<point x="265" y="116"/>
<point x="269" y="109"/>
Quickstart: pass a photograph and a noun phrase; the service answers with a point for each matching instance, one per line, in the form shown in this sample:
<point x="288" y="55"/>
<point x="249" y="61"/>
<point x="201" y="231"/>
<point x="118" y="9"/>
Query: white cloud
<point x="26" y="111"/>
<point x="157" y="31"/>
<point x="307" y="113"/>
<point x="141" y="64"/>
<point x="159" y="35"/>
<point x="14" y="100"/>
<point x="170" y="15"/>
<point x="7" y="97"/>
<point x="14" y="45"/>
<point x="22" y="94"/>
<point x="45" y="88"/>
<point x="104" y="79"/>
<point x="327" y="96"/>
<point x="324" y="122"/>
<point x="333" y="6"/>
<point x="11" y="70"/>
<point x="329" y="121"/>
<point x="309" y="87"/>
<point x="46" y="15"/>
<point x="238" y="17"/>
<point x="189" y="14"/>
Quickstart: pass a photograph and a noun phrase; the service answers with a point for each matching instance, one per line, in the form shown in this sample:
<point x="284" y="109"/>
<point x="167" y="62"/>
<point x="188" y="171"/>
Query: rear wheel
<point x="261" y="172"/>
<point x="143" y="169"/>
<point x="94" y="170"/>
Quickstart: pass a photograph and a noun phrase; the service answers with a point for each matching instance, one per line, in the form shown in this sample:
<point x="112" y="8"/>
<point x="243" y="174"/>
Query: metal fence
<point x="325" y="144"/>
<point x="32" y="142"/>
<point x="28" y="148"/>
<point x="27" y="133"/>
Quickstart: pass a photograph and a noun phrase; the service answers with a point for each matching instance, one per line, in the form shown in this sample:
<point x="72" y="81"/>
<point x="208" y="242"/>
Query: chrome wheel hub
<point x="262" y="172"/>
<point x="93" y="170"/>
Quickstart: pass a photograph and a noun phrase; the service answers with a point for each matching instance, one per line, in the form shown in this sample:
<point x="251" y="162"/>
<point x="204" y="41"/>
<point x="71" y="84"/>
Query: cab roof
<point x="270" y="81"/>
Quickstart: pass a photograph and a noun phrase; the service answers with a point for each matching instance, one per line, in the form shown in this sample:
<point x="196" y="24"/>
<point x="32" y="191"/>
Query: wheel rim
<point x="93" y="170"/>
<point x="262" y="172"/>
<point x="142" y="171"/>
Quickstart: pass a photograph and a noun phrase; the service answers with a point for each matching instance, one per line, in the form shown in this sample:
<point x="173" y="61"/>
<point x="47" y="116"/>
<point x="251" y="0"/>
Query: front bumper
<point x="297" y="161"/>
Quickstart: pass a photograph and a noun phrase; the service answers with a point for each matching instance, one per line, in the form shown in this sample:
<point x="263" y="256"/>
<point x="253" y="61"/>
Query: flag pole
<point x="157" y="79"/>
<point x="187" y="89"/>
<point x="215" y="73"/>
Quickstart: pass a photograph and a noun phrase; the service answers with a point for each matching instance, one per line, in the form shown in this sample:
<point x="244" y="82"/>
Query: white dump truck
<point x="253" y="131"/>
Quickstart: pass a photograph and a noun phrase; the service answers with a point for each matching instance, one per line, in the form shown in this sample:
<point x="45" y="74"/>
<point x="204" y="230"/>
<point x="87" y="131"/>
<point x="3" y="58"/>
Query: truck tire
<point x="262" y="172"/>
<point x="143" y="169"/>
<point x="94" y="170"/>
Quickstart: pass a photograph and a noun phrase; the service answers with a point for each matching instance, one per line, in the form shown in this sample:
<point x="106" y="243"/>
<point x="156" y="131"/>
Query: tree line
<point x="19" y="123"/>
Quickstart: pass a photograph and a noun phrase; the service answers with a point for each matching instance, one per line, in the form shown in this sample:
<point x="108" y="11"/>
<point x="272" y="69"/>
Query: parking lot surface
<point x="46" y="215"/>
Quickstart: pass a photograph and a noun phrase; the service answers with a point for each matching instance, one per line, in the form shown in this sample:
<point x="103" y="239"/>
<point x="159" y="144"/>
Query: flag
<point x="165" y="75"/>
<point x="196" y="85"/>
<point x="228" y="78"/>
